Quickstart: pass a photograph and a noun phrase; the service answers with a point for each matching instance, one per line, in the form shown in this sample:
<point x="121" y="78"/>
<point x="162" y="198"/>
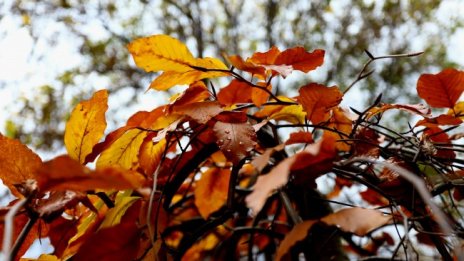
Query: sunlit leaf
<point x="64" y="173"/>
<point x="124" y="151"/>
<point x="342" y="123"/>
<point x="113" y="216"/>
<point x="169" y="79"/>
<point x="441" y="90"/>
<point x="258" y="96"/>
<point x="18" y="163"/>
<point x="239" y="63"/>
<point x="161" y="53"/>
<point x="457" y="110"/>
<point x="211" y="190"/>
<point x="267" y="57"/>
<point x="290" y="113"/>
<point x="300" y="59"/>
<point x="235" y="92"/>
<point x="317" y="100"/>
<point x="196" y="92"/>
<point x="86" y="126"/>
<point x="150" y="155"/>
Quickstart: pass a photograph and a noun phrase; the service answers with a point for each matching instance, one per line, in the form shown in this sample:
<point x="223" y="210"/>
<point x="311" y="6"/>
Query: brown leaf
<point x="200" y="112"/>
<point x="61" y="231"/>
<point x="359" y="221"/>
<point x="374" y="198"/>
<point x="367" y="144"/>
<point x="317" y="100"/>
<point x="441" y="90"/>
<point x="236" y="92"/>
<point x="314" y="157"/>
<point x="58" y="201"/>
<point x="235" y="138"/>
<point x="18" y="163"/>
<point x="340" y="121"/>
<point x="419" y="109"/>
<point x="298" y="233"/>
<point x="64" y="173"/>
<point x="211" y="191"/>
<point x="300" y="59"/>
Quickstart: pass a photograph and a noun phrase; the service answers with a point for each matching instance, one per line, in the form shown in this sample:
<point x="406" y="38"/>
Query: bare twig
<point x="363" y="74"/>
<point x="9" y="229"/>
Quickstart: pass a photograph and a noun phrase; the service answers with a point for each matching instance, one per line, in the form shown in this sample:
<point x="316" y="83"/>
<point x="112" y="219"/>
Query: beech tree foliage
<point x="212" y="174"/>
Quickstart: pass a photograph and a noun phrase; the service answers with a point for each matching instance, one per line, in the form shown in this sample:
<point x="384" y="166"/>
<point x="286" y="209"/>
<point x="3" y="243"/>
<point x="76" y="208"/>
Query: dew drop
<point x="227" y="131"/>
<point x="229" y="150"/>
<point x="220" y="141"/>
<point x="229" y="138"/>
<point x="240" y="143"/>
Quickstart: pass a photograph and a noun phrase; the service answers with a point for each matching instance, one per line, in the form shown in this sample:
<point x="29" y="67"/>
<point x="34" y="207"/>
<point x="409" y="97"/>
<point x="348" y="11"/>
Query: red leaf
<point x="441" y="90"/>
<point x="300" y="59"/>
<point x="317" y="100"/>
<point x="443" y="119"/>
<point x="61" y="231"/>
<point x="117" y="243"/>
<point x="266" y="57"/>
<point x="436" y="134"/>
<point x="368" y="143"/>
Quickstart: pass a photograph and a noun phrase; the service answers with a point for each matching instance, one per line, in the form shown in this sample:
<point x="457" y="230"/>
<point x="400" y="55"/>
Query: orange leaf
<point x="342" y="122"/>
<point x="211" y="191"/>
<point x="300" y="137"/>
<point x="86" y="126"/>
<point x="268" y="57"/>
<point x="298" y="233"/>
<point x="150" y="155"/>
<point x="300" y="59"/>
<point x="443" y="119"/>
<point x="441" y="90"/>
<point x="235" y="137"/>
<point x="196" y="92"/>
<point x="317" y="100"/>
<point x="258" y="96"/>
<point x="235" y="92"/>
<point x="64" y="173"/>
<point x="359" y="221"/>
<point x="18" y="163"/>
<point x="250" y="67"/>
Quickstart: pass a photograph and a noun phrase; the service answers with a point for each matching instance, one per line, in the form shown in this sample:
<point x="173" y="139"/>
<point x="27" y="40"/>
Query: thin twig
<point x="9" y="229"/>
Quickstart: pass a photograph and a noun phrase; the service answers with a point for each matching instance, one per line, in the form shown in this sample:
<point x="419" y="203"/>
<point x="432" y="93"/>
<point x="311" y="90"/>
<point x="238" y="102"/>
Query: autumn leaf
<point x="419" y="109"/>
<point x="314" y="157"/>
<point x="211" y="191"/>
<point x="317" y="100"/>
<point x="359" y="221"/>
<point x="436" y="134"/>
<point x="259" y="96"/>
<point x="441" y="90"/>
<point x="300" y="137"/>
<point x="443" y="119"/>
<point x="298" y="233"/>
<point x="57" y="202"/>
<point x="124" y="151"/>
<point x="256" y="70"/>
<point x="457" y="110"/>
<point x="235" y="92"/>
<point x="113" y="216"/>
<point x="64" y="173"/>
<point x="164" y="53"/>
<point x="150" y="154"/>
<point x="201" y="112"/>
<point x="18" y="163"/>
<point x="161" y="53"/>
<point x="369" y="143"/>
<point x="61" y="231"/>
<point x="196" y="92"/>
<point x="290" y="113"/>
<point x="235" y="136"/>
<point x="116" y="243"/>
<point x="86" y="126"/>
<point x="341" y="122"/>
<point x="300" y="59"/>
<point x="267" y="57"/>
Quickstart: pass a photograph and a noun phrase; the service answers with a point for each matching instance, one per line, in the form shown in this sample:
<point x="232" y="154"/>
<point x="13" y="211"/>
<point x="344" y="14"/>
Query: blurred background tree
<point x="77" y="46"/>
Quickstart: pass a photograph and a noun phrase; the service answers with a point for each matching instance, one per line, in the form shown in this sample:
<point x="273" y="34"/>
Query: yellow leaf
<point x="124" y="151"/>
<point x="291" y="113"/>
<point x="150" y="155"/>
<point x="169" y="79"/>
<point x="114" y="215"/>
<point x="161" y="53"/>
<point x="18" y="163"/>
<point x="86" y="126"/>
<point x="42" y="257"/>
<point x="457" y="110"/>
